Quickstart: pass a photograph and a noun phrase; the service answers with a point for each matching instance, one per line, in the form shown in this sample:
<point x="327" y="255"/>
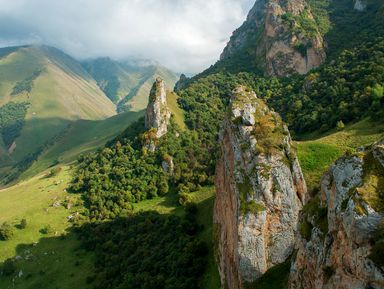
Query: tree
<point x="6" y="232"/>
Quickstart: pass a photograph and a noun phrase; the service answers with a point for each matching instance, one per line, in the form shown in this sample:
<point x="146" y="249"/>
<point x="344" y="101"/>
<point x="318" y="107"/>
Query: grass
<point x="176" y="110"/>
<point x="317" y="152"/>
<point x="50" y="260"/>
<point x="59" y="96"/>
<point x="83" y="136"/>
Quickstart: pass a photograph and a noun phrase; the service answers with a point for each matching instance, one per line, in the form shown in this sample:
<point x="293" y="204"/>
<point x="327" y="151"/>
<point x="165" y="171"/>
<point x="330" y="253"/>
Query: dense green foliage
<point x="126" y="172"/>
<point x="26" y="84"/>
<point x="348" y="89"/>
<point x="12" y="117"/>
<point x="147" y="250"/>
<point x="116" y="177"/>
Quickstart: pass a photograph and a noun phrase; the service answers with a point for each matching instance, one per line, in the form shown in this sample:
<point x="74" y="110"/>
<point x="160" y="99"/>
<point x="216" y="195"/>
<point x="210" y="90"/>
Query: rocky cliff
<point x="281" y="37"/>
<point x="158" y="114"/>
<point x="260" y="191"/>
<point x="342" y="233"/>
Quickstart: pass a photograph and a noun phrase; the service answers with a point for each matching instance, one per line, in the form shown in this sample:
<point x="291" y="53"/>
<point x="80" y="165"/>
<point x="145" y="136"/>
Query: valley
<point x="264" y="171"/>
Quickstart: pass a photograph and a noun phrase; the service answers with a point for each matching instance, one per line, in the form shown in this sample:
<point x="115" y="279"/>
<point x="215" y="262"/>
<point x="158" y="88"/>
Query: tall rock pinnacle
<point x="260" y="190"/>
<point x="158" y="114"/>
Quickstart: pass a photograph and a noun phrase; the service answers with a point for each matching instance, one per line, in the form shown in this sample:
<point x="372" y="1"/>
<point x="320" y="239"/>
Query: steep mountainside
<point x="279" y="37"/>
<point x="260" y="190"/>
<point x="42" y="91"/>
<point x="128" y="83"/>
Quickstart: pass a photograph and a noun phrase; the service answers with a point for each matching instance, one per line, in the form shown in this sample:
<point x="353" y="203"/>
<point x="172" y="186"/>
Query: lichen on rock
<point x="260" y="191"/>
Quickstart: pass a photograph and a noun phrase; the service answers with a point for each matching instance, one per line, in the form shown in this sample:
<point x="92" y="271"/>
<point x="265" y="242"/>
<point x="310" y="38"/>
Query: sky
<point x="184" y="35"/>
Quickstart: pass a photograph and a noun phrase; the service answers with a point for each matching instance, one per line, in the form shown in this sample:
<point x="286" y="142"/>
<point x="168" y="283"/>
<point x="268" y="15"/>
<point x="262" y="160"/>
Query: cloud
<point x="185" y="35"/>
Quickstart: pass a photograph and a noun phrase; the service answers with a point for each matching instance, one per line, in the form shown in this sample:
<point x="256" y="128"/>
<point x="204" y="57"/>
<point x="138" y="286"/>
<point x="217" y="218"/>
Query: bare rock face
<point x="260" y="191"/>
<point x="158" y="115"/>
<point x="281" y="42"/>
<point x="338" y="227"/>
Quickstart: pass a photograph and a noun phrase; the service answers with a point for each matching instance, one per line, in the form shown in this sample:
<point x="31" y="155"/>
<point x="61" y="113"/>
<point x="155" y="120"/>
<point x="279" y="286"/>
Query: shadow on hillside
<point x="163" y="247"/>
<point x="55" y="140"/>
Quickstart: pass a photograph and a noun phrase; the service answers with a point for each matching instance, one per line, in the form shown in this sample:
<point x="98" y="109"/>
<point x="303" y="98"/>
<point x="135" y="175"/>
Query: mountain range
<point x="58" y="92"/>
<point x="265" y="171"/>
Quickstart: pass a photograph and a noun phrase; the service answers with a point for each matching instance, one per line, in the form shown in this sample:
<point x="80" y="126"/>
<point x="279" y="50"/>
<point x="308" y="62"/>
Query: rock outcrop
<point x="260" y="191"/>
<point x="181" y="83"/>
<point x="360" y="5"/>
<point x="281" y="36"/>
<point x="341" y="244"/>
<point x="158" y="115"/>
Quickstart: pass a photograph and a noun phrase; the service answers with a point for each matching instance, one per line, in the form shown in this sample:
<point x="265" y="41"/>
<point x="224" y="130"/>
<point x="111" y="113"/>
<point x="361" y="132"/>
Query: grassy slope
<point x="59" y="95"/>
<point x="316" y="153"/>
<point x="83" y="136"/>
<point x="55" y="261"/>
<point x="177" y="112"/>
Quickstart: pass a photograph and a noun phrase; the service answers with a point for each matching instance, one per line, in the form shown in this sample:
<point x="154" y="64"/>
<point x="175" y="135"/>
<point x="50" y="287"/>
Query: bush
<point x="23" y="224"/>
<point x="6" y="232"/>
<point x="340" y="125"/>
<point x="47" y="230"/>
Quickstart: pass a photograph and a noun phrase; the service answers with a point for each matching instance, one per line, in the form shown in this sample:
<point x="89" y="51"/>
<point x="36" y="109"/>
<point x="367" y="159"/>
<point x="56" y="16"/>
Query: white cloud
<point x="185" y="35"/>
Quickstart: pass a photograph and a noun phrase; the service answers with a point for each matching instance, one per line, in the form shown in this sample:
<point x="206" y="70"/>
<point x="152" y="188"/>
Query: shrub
<point x="6" y="232"/>
<point x="47" y="230"/>
<point x="340" y="125"/>
<point x="23" y="224"/>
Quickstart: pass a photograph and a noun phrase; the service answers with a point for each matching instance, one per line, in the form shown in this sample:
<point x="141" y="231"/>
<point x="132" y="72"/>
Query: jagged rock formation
<point x="260" y="191"/>
<point x="339" y="227"/>
<point x="158" y="114"/>
<point x="281" y="36"/>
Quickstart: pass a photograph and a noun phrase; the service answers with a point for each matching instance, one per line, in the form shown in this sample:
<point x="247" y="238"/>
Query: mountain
<point x="42" y="91"/>
<point x="263" y="172"/>
<point x="128" y="83"/>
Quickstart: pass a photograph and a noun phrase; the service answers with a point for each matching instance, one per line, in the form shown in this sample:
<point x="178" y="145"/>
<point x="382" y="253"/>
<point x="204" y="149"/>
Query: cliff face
<point x="260" y="190"/>
<point x="341" y="228"/>
<point x="281" y="36"/>
<point x="158" y="115"/>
